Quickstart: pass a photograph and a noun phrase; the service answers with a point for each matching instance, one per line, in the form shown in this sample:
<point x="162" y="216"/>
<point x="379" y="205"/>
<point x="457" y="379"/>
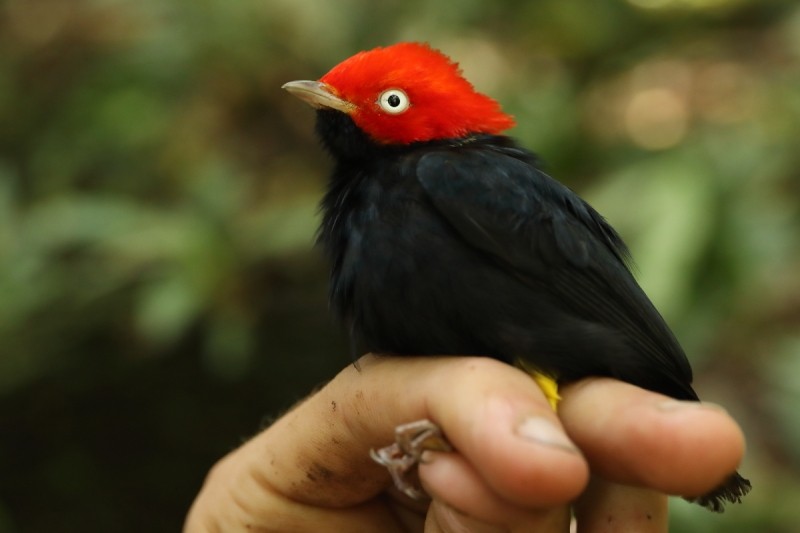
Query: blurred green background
<point x="160" y="297"/>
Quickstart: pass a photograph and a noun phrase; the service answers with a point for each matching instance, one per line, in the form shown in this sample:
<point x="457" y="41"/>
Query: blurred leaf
<point x="665" y="207"/>
<point x="167" y="307"/>
<point x="783" y="392"/>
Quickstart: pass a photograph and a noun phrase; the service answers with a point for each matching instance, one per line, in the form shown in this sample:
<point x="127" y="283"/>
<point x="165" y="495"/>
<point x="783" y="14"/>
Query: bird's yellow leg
<point x="546" y="383"/>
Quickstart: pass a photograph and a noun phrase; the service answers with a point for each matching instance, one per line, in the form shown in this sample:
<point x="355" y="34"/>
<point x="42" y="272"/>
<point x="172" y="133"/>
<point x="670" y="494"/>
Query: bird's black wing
<point x="542" y="233"/>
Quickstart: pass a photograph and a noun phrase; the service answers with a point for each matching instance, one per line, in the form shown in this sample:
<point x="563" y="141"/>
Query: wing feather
<point x="547" y="237"/>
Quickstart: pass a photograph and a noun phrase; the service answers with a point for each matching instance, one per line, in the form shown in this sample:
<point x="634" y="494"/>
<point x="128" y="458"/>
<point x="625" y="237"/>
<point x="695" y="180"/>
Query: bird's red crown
<point x="409" y="92"/>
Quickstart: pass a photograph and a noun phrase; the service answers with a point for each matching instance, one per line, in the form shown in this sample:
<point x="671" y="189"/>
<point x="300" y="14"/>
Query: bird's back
<point x="431" y="256"/>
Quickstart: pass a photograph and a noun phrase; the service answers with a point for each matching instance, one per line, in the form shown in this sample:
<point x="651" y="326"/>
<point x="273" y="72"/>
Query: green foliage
<point x="158" y="191"/>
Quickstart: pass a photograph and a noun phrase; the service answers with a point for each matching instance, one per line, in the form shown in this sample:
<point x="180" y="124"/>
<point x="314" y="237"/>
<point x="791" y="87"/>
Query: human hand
<point x="514" y="467"/>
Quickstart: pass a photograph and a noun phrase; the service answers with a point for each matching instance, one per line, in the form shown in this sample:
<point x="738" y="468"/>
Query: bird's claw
<point x="402" y="457"/>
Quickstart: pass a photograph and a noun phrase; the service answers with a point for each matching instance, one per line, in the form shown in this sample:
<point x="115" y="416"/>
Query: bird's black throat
<point x="342" y="138"/>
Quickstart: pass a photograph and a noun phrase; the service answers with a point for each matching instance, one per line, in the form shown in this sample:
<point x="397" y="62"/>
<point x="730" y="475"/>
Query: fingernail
<point x="542" y="431"/>
<point x="670" y="406"/>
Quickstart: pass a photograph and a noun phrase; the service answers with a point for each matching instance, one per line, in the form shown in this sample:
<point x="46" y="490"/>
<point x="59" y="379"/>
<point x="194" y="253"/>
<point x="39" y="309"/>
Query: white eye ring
<point x="394" y="101"/>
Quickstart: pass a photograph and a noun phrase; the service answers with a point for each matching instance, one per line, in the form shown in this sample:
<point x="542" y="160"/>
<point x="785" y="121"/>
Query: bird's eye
<point x="394" y="101"/>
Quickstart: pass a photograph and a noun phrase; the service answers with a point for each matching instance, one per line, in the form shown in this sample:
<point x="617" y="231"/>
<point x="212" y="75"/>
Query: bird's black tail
<point x="732" y="491"/>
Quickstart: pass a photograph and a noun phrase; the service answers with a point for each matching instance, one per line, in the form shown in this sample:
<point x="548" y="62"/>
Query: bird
<point x="445" y="236"/>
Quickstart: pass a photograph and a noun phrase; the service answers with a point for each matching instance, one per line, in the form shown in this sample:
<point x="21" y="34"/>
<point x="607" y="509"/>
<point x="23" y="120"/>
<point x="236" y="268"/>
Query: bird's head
<point x="404" y="93"/>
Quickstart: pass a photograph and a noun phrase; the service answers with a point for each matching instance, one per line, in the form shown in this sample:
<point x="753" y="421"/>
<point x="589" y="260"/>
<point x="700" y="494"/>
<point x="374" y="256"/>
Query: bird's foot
<point x="403" y="457"/>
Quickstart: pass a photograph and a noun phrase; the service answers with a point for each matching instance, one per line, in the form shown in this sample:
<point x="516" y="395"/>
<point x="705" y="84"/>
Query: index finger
<point x="637" y="437"/>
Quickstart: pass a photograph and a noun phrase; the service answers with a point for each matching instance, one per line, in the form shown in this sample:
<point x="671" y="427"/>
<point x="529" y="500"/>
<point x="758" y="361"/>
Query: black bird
<point x="446" y="237"/>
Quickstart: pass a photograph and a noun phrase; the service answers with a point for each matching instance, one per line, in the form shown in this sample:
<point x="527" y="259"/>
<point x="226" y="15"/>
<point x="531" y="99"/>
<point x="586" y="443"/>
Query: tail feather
<point x="732" y="491"/>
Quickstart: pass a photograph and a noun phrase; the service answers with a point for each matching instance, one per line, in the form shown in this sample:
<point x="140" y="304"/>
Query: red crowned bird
<point x="445" y="237"/>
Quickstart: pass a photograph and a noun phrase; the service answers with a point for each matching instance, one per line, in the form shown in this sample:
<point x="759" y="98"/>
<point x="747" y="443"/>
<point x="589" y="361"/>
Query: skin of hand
<point x="518" y="466"/>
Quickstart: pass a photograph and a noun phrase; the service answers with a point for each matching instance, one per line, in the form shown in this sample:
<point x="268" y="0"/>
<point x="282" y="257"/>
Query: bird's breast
<point x="399" y="272"/>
